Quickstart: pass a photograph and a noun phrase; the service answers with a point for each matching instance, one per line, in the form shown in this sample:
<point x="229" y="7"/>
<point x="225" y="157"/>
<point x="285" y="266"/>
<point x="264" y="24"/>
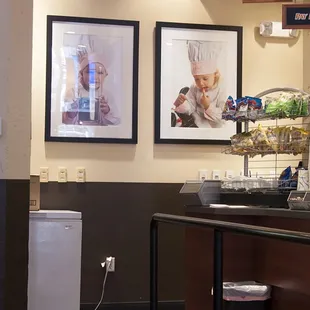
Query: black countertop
<point x="249" y="211"/>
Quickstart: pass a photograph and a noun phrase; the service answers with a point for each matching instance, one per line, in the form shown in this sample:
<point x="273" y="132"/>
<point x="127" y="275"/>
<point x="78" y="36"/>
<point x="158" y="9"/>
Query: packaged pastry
<point x="275" y="107"/>
<point x="235" y="143"/>
<point x="230" y="109"/>
<point x="287" y="105"/>
<point x="279" y="139"/>
<point x="254" y="108"/>
<point x="251" y="143"/>
<point x="272" y="138"/>
<point x="305" y="105"/>
<point x="242" y="143"/>
<point x="295" y="108"/>
<point x="297" y="134"/>
<point x="283" y="137"/>
<point x="298" y="106"/>
<point x="271" y="107"/>
<point x="299" y="140"/>
<point x="241" y="108"/>
<point x="260" y="139"/>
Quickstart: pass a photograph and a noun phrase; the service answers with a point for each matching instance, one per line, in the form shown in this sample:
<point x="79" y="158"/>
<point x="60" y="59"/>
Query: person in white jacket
<point x="206" y="98"/>
<point x="90" y="103"/>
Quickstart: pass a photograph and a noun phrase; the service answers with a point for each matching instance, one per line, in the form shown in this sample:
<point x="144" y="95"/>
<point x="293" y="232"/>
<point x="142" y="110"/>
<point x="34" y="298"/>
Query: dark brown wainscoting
<point x="14" y="222"/>
<point x="116" y="219"/>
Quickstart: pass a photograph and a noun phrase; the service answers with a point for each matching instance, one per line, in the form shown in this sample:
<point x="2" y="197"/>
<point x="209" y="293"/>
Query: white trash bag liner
<point x="245" y="291"/>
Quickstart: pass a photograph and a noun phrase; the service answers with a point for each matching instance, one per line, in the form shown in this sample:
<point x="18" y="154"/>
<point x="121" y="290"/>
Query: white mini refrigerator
<point x="55" y="239"/>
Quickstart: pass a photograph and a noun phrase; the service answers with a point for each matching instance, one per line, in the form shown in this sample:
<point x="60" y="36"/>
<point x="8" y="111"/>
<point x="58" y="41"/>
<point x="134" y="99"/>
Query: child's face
<point x="93" y="74"/>
<point x="205" y="82"/>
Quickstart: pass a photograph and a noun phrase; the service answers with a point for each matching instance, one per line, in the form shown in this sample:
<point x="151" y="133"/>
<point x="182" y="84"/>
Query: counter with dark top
<point x="249" y="211"/>
<point x="283" y="265"/>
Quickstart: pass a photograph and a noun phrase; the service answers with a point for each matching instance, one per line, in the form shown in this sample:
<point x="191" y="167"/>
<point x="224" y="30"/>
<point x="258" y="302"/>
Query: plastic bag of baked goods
<point x="287" y="103"/>
<point x="242" y="143"/>
<point x="305" y="105"/>
<point x="283" y="106"/>
<point x="299" y="140"/>
<point x="272" y="138"/>
<point x="260" y="139"/>
<point x="235" y="143"/>
<point x="300" y="106"/>
<point x="230" y="109"/>
<point x="274" y="107"/>
<point x="283" y="137"/>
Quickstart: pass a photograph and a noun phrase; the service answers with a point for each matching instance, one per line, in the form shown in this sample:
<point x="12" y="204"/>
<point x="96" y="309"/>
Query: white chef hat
<point x="203" y="56"/>
<point x="86" y="59"/>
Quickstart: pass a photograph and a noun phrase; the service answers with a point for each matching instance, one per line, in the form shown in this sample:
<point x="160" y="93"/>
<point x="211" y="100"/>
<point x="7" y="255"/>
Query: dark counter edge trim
<point x="296" y="214"/>
<point x="163" y="305"/>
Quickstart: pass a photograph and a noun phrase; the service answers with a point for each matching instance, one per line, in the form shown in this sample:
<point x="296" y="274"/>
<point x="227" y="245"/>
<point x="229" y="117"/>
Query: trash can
<point x="246" y="296"/>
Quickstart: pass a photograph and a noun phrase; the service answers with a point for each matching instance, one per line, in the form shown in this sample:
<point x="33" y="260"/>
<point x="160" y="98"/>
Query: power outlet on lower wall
<point x="111" y="265"/>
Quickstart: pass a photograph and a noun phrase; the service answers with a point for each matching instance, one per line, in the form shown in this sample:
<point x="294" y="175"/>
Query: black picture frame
<point x="135" y="69"/>
<point x="158" y="63"/>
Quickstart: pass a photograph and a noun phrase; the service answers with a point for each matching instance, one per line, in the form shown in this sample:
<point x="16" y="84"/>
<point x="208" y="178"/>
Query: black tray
<point x="269" y="199"/>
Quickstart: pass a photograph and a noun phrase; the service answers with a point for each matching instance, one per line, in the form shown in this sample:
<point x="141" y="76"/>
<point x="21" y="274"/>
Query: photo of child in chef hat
<point x="90" y="104"/>
<point x="206" y="98"/>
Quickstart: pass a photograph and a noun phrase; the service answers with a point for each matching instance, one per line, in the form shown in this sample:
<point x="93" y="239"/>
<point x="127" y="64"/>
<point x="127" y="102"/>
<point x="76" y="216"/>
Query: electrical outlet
<point x="229" y="174"/>
<point x="62" y="175"/>
<point x="216" y="175"/>
<point x="80" y="175"/>
<point x="111" y="264"/>
<point x="203" y="174"/>
<point x="44" y="175"/>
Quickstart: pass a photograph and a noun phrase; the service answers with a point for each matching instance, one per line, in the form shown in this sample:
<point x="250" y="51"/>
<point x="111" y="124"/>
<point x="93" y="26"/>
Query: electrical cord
<point x="107" y="266"/>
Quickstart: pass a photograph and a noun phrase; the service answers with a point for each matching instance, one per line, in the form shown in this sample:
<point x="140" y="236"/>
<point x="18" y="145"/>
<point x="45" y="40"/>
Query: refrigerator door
<point x="54" y="264"/>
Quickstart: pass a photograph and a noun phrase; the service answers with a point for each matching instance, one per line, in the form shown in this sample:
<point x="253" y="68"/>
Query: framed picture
<point x="91" y="80"/>
<point x="197" y="68"/>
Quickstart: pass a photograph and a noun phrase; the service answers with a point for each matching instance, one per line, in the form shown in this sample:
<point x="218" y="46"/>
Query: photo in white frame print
<point x="91" y="80"/>
<point x="197" y="68"/>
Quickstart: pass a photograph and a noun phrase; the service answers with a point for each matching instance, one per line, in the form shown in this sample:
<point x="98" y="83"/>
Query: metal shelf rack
<point x="267" y="161"/>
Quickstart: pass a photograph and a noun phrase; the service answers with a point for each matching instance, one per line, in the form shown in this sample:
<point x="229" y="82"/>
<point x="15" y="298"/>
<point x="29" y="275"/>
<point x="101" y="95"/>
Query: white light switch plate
<point x="216" y="175"/>
<point x="229" y="174"/>
<point x="80" y="175"/>
<point x="62" y="175"/>
<point x="203" y="174"/>
<point x="44" y="175"/>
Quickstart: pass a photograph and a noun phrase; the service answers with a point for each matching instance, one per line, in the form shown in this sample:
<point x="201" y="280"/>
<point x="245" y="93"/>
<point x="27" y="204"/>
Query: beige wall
<point x="306" y="58"/>
<point x="267" y="63"/>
